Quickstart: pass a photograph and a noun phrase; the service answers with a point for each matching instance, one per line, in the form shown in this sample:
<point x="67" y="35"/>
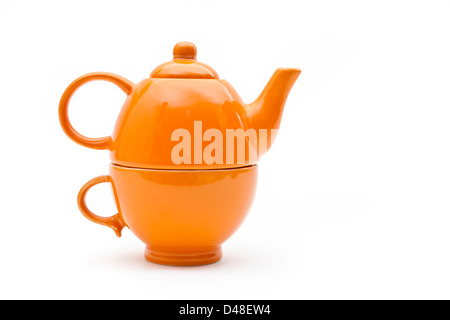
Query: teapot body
<point x="160" y="114"/>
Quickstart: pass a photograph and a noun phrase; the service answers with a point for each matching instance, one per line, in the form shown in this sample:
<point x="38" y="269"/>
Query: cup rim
<point x="119" y="166"/>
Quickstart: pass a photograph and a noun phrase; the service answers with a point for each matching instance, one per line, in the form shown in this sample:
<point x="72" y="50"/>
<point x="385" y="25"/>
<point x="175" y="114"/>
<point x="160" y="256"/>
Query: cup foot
<point x="172" y="257"/>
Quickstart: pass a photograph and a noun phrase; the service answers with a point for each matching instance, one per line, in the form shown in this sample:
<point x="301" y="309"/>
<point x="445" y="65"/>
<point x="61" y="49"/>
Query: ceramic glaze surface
<point x="144" y="141"/>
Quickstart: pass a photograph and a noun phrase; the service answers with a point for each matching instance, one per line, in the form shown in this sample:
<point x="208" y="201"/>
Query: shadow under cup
<point x="183" y="216"/>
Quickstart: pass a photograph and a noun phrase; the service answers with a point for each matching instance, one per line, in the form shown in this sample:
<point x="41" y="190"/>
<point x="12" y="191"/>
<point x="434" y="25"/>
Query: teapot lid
<point x="184" y="65"/>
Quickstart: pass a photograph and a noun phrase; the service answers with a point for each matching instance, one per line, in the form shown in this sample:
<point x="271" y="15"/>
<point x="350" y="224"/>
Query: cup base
<point x="171" y="257"/>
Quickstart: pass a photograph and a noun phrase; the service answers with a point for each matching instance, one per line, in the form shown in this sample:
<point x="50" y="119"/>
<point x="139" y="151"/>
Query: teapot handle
<point x="94" y="143"/>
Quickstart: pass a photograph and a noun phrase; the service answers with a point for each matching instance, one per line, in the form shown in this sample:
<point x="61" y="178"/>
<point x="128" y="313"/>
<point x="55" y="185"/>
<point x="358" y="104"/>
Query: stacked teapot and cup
<point x="179" y="184"/>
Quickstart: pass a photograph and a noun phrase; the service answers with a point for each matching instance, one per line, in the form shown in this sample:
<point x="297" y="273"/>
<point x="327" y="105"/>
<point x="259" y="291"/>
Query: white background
<point x="352" y="200"/>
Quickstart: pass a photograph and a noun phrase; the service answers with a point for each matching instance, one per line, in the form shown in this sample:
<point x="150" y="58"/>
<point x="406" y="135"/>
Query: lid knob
<point x="185" y="50"/>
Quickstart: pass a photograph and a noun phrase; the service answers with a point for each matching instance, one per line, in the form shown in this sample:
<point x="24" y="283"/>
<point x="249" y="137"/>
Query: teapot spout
<point x="266" y="111"/>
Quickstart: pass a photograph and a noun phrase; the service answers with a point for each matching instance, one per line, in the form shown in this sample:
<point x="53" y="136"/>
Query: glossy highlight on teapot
<point x="184" y="155"/>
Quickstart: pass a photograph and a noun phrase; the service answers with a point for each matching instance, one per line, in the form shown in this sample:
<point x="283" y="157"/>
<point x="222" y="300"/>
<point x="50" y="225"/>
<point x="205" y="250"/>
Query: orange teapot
<point x="184" y="155"/>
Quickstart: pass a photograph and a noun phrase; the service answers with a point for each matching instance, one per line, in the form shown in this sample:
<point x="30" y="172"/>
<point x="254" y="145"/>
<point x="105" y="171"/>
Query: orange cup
<point x="183" y="216"/>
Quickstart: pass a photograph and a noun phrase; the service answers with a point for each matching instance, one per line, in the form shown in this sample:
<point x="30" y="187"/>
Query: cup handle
<point x="94" y="143"/>
<point x="114" y="222"/>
